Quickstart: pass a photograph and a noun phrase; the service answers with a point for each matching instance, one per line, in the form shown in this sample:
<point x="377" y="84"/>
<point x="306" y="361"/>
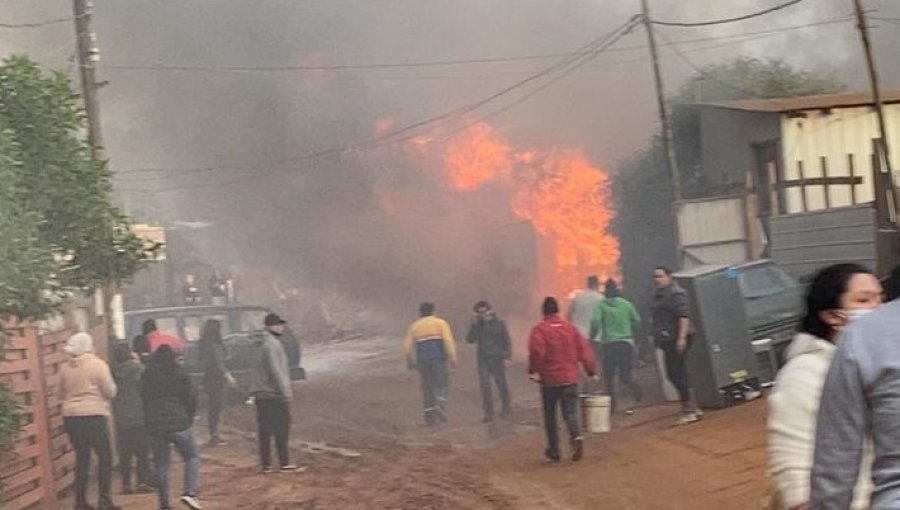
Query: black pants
<point x="493" y="368"/>
<point x="676" y="371"/>
<point x="215" y="392"/>
<point x="90" y="433"/>
<point x="618" y="362"/>
<point x="435" y="382"/>
<point x="273" y="420"/>
<point x="132" y="444"/>
<point x="565" y="397"/>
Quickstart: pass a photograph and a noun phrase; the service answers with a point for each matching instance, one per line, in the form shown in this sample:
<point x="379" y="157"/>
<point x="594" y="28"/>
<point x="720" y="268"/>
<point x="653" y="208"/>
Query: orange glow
<point x="566" y="198"/>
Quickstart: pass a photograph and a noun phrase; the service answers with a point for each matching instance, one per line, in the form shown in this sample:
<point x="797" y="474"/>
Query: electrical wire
<point x="564" y="67"/>
<point x="727" y="20"/>
<point x="431" y="63"/>
<point x="37" y="24"/>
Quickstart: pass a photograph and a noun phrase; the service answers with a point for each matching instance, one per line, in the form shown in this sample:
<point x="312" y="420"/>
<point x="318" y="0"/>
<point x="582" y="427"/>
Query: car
<point x="242" y="325"/>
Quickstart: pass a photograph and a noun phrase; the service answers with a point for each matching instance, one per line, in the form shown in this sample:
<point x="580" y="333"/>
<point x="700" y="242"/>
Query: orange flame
<point x="565" y="197"/>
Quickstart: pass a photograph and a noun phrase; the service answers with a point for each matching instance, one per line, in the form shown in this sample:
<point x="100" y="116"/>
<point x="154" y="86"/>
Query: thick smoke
<point x="376" y="223"/>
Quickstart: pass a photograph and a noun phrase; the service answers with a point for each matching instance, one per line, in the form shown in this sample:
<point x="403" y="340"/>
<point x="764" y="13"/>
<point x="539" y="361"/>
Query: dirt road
<point x="360" y="398"/>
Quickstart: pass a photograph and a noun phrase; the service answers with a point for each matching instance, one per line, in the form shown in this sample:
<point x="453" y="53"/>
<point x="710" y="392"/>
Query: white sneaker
<point x="191" y="502"/>
<point x="687" y="418"/>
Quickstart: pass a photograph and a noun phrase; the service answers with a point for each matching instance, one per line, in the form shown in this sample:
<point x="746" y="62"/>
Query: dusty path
<point x="359" y="397"/>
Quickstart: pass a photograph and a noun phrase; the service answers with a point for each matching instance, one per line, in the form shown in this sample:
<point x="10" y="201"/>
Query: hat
<point x="78" y="344"/>
<point x="273" y="320"/>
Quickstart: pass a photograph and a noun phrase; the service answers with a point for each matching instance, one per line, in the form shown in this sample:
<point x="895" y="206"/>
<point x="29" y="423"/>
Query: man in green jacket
<point x="615" y="321"/>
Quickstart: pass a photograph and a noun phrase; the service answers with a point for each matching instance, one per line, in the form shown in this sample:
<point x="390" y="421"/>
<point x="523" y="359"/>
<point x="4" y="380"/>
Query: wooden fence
<point x="41" y="468"/>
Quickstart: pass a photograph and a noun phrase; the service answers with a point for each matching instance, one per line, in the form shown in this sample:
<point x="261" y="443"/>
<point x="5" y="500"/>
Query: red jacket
<point x="158" y="338"/>
<point x="555" y="349"/>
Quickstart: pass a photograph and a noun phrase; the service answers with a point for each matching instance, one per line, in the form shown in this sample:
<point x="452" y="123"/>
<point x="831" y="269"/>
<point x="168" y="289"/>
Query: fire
<point x="566" y="198"/>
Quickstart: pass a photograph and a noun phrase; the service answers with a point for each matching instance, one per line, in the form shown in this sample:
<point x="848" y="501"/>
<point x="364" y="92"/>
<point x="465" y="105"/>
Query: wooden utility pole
<point x="87" y="56"/>
<point x="666" y="125"/>
<point x="883" y="151"/>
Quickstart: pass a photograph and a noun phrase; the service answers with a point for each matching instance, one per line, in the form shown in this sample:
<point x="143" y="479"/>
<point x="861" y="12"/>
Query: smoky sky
<point x="377" y="219"/>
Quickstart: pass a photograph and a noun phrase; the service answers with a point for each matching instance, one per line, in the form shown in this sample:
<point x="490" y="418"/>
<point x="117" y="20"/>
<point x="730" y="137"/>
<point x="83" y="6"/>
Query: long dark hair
<point x="211" y="331"/>
<point x="825" y="293"/>
<point x="165" y="359"/>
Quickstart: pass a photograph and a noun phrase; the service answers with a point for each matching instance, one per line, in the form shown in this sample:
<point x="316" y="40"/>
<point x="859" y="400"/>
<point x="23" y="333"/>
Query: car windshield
<point x="193" y="325"/>
<point x="761" y="281"/>
<point x="252" y="320"/>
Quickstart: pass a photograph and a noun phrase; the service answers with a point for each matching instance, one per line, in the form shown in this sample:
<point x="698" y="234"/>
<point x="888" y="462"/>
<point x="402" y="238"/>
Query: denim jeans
<point x="565" y="397"/>
<point x="493" y="368"/>
<point x="184" y="443"/>
<point x="435" y="383"/>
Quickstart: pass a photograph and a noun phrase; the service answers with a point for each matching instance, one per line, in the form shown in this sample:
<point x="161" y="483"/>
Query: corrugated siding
<point x="834" y="136"/>
<point x="804" y="243"/>
<point x="713" y="231"/>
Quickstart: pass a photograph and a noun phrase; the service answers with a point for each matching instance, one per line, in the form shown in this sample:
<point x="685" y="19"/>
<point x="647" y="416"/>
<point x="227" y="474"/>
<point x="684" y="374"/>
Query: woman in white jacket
<point x="837" y="295"/>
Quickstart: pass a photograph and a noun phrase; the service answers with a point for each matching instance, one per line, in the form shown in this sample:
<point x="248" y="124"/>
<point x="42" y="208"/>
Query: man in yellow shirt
<point x="430" y="347"/>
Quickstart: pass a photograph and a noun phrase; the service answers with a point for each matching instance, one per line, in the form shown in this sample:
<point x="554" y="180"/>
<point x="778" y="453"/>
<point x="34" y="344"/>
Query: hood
<point x="77" y="361"/>
<point x="804" y="343"/>
<point x="611" y="302"/>
<point x="78" y="344"/>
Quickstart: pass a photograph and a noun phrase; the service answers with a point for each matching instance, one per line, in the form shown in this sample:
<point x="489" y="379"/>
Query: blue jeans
<point x="184" y="443"/>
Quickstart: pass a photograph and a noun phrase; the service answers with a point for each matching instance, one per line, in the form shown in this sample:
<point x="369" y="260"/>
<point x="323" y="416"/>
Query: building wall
<point x="830" y="139"/>
<point x="726" y="137"/>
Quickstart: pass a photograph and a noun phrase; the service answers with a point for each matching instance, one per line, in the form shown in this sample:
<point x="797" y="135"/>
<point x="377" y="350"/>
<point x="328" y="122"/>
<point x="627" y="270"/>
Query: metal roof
<point x="801" y="103"/>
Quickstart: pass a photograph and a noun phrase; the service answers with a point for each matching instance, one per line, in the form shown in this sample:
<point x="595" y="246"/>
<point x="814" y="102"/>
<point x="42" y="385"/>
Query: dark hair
<point x="550" y="306"/>
<point x="211" y="331"/>
<point x="164" y="357"/>
<point x="891" y="285"/>
<point x="824" y="293"/>
<point x="122" y="352"/>
<point x="481" y="304"/>
<point x="612" y="289"/>
<point x="149" y="326"/>
<point x="593" y="282"/>
<point x="426" y="309"/>
<point x="664" y="269"/>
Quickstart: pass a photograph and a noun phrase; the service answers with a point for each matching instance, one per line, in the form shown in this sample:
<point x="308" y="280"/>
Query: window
<point x="193" y="325"/>
<point x="252" y="320"/>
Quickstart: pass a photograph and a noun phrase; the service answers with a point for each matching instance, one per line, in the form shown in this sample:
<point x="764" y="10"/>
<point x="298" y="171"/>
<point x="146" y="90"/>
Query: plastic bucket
<point x="596" y="412"/>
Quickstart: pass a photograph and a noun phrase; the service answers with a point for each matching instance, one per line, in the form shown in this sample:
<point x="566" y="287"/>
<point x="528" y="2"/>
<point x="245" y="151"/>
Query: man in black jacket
<point x="494" y="351"/>
<point x="170" y="405"/>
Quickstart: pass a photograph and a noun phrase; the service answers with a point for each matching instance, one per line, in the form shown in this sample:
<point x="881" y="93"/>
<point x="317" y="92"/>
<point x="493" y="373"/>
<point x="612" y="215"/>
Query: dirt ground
<point x="360" y="399"/>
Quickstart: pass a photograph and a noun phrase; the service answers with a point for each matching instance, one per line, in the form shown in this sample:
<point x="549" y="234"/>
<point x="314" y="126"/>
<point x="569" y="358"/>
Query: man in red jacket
<point x="555" y="351"/>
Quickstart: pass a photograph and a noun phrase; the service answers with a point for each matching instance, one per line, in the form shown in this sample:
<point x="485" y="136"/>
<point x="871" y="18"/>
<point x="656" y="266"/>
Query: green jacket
<point x="614" y="320"/>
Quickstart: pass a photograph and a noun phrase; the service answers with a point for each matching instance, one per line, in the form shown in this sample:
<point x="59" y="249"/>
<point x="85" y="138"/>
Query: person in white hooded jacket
<point x="837" y="295"/>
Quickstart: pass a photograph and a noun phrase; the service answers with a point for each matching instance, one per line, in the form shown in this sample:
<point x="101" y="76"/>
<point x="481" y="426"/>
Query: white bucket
<point x="596" y="411"/>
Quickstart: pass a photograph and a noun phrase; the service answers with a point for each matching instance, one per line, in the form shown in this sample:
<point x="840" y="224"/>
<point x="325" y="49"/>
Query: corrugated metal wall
<point x="713" y="231"/>
<point x="825" y="142"/>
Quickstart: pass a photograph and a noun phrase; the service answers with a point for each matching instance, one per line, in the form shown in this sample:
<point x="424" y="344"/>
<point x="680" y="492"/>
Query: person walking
<point x="270" y="387"/>
<point x="836" y="294"/>
<point x="613" y="327"/>
<point x="494" y="350"/>
<point x="86" y="387"/>
<point x="154" y="338"/>
<point x="555" y="351"/>
<point x="128" y="411"/>
<point x="583" y="305"/>
<point x="430" y="348"/>
<point x="170" y="405"/>
<point x="215" y="375"/>
<point x="671" y="333"/>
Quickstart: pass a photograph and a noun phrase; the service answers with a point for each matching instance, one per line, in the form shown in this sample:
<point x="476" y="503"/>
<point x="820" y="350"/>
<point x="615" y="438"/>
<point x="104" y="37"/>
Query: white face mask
<point x="856" y="313"/>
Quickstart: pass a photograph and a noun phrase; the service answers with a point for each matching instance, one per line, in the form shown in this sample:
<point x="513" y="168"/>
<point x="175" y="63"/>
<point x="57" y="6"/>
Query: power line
<point x="564" y="67"/>
<point x="37" y="24"/>
<point x="430" y="63"/>
<point x="726" y="20"/>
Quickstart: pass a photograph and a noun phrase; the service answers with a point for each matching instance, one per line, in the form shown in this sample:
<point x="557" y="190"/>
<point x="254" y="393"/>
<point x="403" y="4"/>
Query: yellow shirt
<point x="430" y="338"/>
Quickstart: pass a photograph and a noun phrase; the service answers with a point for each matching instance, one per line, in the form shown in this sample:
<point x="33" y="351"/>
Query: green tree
<point x="59" y="232"/>
<point x="643" y="184"/>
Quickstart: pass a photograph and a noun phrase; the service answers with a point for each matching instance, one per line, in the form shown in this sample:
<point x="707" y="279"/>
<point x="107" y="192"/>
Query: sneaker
<point x="288" y="467"/>
<point x="265" y="470"/>
<point x="216" y="441"/>
<point x="551" y="456"/>
<point x="577" y="449"/>
<point x="191" y="502"/>
<point x="687" y="418"/>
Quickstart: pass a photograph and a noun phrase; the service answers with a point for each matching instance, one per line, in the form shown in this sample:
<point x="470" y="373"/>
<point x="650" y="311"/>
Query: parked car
<point x="241" y="325"/>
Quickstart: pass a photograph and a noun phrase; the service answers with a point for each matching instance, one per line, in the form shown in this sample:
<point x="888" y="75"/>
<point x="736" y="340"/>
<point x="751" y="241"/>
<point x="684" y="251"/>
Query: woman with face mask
<point x="838" y="295"/>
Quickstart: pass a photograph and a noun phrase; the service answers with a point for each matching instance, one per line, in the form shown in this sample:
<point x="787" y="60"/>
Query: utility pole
<point x="87" y="56"/>
<point x="883" y="152"/>
<point x="666" y="124"/>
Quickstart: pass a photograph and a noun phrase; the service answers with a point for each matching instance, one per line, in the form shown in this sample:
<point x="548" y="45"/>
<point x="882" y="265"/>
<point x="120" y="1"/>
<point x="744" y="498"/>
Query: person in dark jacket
<point x="671" y="333"/>
<point x="169" y="408"/>
<point x="270" y="386"/>
<point x="128" y="411"/>
<point x="215" y="375"/>
<point x="556" y="349"/>
<point x="494" y="350"/>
